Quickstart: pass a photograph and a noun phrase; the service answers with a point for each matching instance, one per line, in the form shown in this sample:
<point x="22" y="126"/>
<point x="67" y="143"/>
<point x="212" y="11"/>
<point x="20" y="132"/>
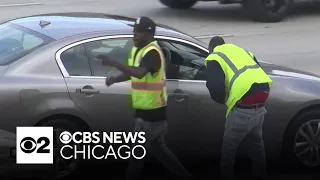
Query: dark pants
<point x="156" y="145"/>
<point x="240" y="124"/>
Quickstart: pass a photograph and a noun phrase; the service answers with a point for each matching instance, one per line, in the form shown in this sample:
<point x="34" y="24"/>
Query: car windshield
<point x="17" y="41"/>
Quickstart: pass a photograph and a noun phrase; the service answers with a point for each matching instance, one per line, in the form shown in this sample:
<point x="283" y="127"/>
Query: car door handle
<point x="183" y="95"/>
<point x="88" y="91"/>
<point x="178" y="95"/>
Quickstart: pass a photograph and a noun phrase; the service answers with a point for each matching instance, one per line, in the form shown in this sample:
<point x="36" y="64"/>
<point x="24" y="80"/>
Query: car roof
<point x="63" y="25"/>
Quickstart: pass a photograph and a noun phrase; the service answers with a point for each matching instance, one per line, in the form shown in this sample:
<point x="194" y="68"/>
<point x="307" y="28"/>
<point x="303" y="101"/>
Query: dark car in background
<point x="258" y="10"/>
<point x="49" y="78"/>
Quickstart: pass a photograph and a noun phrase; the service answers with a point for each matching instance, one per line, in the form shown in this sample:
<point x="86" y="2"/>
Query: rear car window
<point x="17" y="41"/>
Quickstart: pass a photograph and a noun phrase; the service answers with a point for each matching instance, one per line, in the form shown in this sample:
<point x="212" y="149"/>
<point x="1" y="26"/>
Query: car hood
<point x="277" y="70"/>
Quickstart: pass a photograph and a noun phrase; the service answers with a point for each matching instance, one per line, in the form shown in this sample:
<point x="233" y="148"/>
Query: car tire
<point x="259" y="11"/>
<point x="70" y="126"/>
<point x="179" y="4"/>
<point x="292" y="136"/>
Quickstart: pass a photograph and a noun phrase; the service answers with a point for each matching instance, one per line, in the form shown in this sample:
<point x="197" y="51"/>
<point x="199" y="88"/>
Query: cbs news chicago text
<point x="90" y="143"/>
<point x="35" y="145"/>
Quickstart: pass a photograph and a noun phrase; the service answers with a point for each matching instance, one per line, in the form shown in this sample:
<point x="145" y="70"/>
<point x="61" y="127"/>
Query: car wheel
<point x="267" y="10"/>
<point x="179" y="4"/>
<point x="64" y="168"/>
<point x="302" y="141"/>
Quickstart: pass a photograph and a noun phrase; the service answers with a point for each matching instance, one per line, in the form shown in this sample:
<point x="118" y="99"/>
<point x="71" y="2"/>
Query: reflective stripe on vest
<point x="149" y="92"/>
<point x="237" y="72"/>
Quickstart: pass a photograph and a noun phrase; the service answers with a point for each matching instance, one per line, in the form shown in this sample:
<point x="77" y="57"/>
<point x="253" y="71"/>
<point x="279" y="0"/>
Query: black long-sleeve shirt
<point x="216" y="79"/>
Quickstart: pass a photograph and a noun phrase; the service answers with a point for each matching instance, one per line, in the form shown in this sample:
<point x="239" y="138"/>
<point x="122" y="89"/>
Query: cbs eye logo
<point x="65" y="137"/>
<point x="28" y="145"/>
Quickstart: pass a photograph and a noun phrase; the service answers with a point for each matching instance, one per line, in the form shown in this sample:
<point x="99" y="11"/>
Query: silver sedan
<point x="49" y="77"/>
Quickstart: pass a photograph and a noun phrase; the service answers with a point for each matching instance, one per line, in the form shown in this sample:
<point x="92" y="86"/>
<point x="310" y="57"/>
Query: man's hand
<point x="110" y="80"/>
<point x="137" y="72"/>
<point x="105" y="60"/>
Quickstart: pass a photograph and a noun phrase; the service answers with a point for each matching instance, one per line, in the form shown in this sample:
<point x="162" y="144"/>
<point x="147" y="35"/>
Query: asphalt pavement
<point x="293" y="42"/>
<point x="200" y="171"/>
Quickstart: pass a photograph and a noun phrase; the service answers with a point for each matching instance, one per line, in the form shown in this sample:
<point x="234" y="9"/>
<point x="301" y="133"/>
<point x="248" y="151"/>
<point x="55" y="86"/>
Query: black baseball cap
<point x="145" y="24"/>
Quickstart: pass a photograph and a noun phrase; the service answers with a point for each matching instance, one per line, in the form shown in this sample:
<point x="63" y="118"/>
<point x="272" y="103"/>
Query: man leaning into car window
<point x="149" y="96"/>
<point x="235" y="78"/>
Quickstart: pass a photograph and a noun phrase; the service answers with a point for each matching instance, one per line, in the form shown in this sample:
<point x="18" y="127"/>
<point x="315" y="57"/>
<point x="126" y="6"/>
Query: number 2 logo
<point x="29" y="145"/>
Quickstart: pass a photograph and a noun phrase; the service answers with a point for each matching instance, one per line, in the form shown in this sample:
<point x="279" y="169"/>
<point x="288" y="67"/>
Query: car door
<point x="201" y="120"/>
<point x="108" y="108"/>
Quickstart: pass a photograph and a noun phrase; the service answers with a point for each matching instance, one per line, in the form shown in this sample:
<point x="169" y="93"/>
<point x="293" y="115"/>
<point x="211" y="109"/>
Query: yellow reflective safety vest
<point x="240" y="69"/>
<point x="149" y="92"/>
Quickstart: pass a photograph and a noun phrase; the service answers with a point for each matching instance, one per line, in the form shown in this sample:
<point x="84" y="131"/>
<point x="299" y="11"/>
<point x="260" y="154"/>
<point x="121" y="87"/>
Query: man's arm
<point x="121" y="78"/>
<point x="137" y="72"/>
<point x="215" y="82"/>
<point x="149" y="63"/>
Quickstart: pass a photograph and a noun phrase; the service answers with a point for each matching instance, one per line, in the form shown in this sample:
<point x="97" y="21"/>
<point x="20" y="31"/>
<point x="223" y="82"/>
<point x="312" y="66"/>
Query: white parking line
<point x="22" y="4"/>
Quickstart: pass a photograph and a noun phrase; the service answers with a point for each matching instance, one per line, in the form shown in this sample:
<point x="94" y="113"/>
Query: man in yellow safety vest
<point x="235" y="78"/>
<point x="149" y="95"/>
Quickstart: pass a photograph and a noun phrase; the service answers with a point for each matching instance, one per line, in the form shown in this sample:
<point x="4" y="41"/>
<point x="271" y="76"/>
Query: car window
<point x="186" y="61"/>
<point x="115" y="49"/>
<point x="76" y="61"/>
<point x="17" y="41"/>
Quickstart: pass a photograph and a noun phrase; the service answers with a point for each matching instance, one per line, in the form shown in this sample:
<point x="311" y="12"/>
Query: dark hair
<point x="215" y="41"/>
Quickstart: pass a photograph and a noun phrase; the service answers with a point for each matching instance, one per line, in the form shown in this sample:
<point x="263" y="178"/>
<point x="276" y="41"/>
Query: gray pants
<point x="240" y="124"/>
<point x="156" y="145"/>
